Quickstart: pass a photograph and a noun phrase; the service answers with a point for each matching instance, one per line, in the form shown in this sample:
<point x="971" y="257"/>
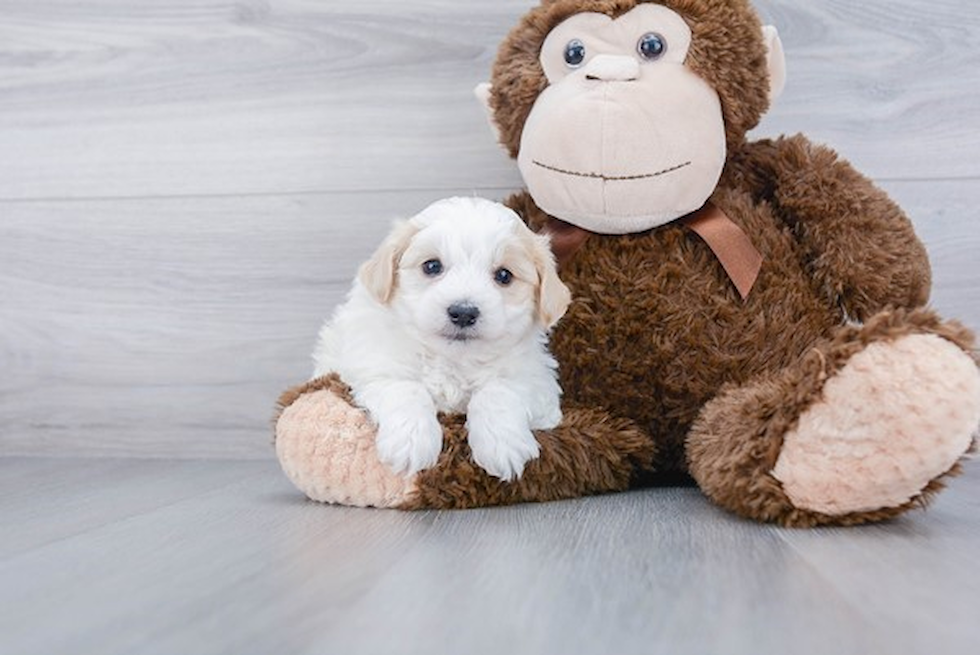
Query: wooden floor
<point x="111" y="556"/>
<point x="186" y="188"/>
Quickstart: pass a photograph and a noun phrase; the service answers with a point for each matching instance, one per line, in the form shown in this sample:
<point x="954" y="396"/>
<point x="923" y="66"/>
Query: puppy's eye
<point x="574" y="53"/>
<point x="651" y="46"/>
<point x="503" y="277"/>
<point x="432" y="268"/>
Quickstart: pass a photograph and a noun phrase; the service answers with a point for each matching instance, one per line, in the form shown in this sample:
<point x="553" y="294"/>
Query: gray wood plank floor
<point x="225" y="557"/>
<point x="186" y="187"/>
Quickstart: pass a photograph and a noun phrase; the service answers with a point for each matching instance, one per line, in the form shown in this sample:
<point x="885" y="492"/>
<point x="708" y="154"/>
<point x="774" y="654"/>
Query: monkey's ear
<point x="379" y="274"/>
<point x="482" y="93"/>
<point x="776" y="60"/>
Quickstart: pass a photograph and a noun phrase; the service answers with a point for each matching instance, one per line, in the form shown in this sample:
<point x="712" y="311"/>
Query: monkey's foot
<point x="862" y="428"/>
<point x="898" y="415"/>
<point x="326" y="446"/>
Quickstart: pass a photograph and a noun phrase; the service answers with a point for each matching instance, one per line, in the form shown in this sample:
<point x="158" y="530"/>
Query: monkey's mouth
<point x="611" y="178"/>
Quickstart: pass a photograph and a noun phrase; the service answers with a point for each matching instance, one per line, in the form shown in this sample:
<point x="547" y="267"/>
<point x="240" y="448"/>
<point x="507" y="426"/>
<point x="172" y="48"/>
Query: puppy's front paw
<point x="502" y="444"/>
<point x="409" y="442"/>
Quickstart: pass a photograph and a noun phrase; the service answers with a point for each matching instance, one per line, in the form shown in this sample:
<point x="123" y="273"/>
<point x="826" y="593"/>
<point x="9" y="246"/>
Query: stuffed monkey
<point x="749" y="313"/>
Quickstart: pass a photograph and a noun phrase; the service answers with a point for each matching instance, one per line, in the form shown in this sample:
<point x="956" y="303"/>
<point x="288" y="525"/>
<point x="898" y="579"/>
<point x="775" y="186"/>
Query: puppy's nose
<point x="463" y="315"/>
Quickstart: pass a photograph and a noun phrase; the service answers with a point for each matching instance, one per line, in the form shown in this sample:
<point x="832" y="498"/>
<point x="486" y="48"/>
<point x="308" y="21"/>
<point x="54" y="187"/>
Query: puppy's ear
<point x="379" y="274"/>
<point x="552" y="295"/>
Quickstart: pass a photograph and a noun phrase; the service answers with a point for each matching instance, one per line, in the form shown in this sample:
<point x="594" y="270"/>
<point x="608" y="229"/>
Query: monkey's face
<point x="625" y="137"/>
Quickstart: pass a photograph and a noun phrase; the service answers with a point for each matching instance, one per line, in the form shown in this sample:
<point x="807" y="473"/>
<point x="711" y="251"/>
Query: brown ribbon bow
<point x="730" y="244"/>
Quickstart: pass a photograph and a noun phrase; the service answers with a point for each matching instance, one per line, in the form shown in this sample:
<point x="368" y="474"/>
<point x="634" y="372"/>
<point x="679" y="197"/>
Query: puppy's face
<point x="467" y="271"/>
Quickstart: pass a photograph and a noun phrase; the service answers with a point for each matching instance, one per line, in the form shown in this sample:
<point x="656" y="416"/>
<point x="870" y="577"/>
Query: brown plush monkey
<point x="750" y="313"/>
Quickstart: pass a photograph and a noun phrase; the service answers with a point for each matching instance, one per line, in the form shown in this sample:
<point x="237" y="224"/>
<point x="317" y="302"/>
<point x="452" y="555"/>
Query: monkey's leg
<point x="326" y="447"/>
<point x="863" y="428"/>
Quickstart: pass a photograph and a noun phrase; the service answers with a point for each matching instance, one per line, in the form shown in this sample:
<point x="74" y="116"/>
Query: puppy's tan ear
<point x="379" y="275"/>
<point x="552" y="294"/>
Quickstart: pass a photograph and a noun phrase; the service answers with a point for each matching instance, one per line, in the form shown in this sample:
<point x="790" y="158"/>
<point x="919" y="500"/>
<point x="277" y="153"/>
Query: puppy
<point x="451" y="315"/>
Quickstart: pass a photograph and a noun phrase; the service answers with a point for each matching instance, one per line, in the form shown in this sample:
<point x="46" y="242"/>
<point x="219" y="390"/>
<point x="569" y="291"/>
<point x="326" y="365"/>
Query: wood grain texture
<point x="114" y="98"/>
<point x="893" y="85"/>
<point x="924" y="620"/>
<point x="45" y="500"/>
<point x="249" y="567"/>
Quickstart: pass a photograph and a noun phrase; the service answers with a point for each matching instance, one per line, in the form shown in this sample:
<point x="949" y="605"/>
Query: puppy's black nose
<point x="463" y="315"/>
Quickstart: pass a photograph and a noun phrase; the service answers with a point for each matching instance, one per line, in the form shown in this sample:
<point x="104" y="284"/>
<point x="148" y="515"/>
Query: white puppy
<point x="451" y="315"/>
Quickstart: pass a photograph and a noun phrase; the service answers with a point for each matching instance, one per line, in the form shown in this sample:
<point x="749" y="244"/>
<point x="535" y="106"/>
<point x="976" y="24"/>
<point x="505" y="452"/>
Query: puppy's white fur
<point x="395" y="344"/>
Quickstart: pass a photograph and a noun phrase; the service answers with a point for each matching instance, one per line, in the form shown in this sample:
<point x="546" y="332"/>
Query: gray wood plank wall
<point x="186" y="186"/>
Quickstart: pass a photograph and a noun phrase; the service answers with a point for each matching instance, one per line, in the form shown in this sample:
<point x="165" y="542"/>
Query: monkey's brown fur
<point x="590" y="453"/>
<point x="677" y="373"/>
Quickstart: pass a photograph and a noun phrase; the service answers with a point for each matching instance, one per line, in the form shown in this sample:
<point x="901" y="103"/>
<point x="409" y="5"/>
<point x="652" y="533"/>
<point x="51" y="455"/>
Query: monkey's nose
<point x="612" y="68"/>
<point x="463" y="315"/>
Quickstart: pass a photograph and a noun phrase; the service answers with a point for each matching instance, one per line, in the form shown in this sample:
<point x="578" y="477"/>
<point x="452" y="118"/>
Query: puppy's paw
<point x="548" y="418"/>
<point x="501" y="443"/>
<point x="409" y="442"/>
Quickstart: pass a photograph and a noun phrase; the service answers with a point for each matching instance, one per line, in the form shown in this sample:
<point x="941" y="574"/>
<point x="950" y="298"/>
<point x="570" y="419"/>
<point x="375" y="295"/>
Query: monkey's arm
<point x="856" y="241"/>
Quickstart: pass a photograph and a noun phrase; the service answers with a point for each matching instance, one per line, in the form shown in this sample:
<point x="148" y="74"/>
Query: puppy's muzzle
<point x="463" y="315"/>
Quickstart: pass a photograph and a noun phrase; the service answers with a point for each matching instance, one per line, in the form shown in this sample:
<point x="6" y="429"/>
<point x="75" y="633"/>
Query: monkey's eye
<point x="651" y="46"/>
<point x="432" y="268"/>
<point x="574" y="53"/>
<point x="503" y="277"/>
